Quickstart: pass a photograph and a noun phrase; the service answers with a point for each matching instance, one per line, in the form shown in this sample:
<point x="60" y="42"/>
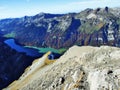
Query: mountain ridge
<point x="89" y="27"/>
<point x="86" y="68"/>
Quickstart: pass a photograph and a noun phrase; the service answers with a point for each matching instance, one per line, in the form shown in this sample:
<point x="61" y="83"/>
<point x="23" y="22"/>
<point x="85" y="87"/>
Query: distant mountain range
<point x="96" y="27"/>
<point x="89" y="27"/>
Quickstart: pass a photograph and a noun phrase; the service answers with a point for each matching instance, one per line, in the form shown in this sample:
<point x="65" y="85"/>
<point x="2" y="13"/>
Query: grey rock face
<point x="80" y="68"/>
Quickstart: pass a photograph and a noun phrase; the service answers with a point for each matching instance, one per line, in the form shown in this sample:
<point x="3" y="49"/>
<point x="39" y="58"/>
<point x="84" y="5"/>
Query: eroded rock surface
<point x="80" y="68"/>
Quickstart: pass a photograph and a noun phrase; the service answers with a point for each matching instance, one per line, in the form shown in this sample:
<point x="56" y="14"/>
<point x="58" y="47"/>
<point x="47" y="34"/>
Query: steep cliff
<point x="12" y="64"/>
<point x="80" y="68"/>
<point x="89" y="27"/>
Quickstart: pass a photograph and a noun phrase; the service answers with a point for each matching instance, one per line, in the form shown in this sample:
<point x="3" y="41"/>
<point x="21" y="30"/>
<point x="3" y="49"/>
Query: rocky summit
<point x="80" y="68"/>
<point x="94" y="27"/>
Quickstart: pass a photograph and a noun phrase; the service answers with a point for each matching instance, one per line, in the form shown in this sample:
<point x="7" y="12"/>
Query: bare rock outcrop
<point x="80" y="68"/>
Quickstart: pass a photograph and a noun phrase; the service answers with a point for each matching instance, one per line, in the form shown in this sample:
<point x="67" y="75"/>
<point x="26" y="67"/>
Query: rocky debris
<point x="89" y="27"/>
<point x="80" y="68"/>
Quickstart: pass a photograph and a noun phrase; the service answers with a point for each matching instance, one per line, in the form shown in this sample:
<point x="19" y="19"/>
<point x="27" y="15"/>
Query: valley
<point x="70" y="51"/>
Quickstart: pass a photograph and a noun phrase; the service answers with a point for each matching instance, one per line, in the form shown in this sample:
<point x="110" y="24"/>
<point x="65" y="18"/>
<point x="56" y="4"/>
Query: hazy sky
<point x="18" y="8"/>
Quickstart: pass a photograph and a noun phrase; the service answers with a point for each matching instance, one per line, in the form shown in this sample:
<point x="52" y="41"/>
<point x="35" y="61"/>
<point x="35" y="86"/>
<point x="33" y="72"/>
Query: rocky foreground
<point x="80" y="68"/>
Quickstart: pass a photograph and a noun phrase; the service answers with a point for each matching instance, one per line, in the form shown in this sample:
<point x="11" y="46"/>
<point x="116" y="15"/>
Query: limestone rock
<point x="80" y="68"/>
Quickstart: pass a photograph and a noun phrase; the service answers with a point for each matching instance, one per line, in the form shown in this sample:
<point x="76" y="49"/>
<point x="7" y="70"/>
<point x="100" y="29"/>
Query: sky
<point x="20" y="8"/>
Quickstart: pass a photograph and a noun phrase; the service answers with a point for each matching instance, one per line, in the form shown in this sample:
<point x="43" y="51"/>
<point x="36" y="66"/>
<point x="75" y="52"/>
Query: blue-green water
<point x="19" y="48"/>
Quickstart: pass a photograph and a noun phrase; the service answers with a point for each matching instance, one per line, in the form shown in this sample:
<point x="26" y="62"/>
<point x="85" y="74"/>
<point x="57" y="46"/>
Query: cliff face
<point x="12" y="64"/>
<point x="80" y="68"/>
<point x="89" y="27"/>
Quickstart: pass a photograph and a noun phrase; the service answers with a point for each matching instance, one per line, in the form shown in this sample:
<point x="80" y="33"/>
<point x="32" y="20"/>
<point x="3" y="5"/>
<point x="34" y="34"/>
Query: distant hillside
<point x="89" y="27"/>
<point x="80" y="68"/>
